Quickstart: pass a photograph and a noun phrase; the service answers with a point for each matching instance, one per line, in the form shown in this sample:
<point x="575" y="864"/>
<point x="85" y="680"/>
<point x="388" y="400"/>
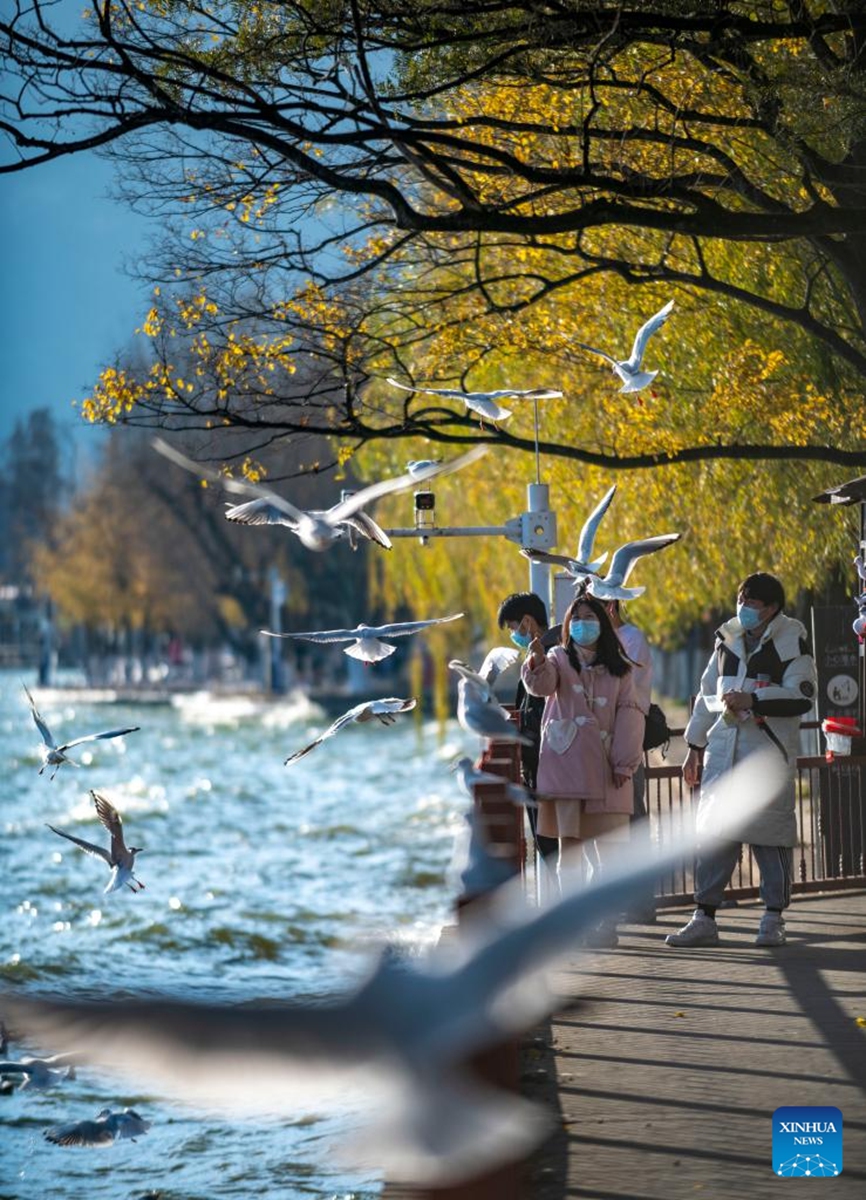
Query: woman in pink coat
<point x="591" y="733"/>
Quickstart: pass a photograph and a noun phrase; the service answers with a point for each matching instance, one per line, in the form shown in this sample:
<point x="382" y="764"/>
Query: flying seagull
<point x="119" y="856"/>
<point x="582" y="564"/>
<point x="41" y="1072"/>
<point x="420" y="468"/>
<point x="54" y="755"/>
<point x="264" y="512"/>
<point x="401" y="1040"/>
<point x="105" y="1129"/>
<point x="629" y="369"/>
<point x="317" y="530"/>
<point x="365" y="639"/>
<point x="383" y="710"/>
<point x="611" y="586"/>
<point x="484" y="403"/>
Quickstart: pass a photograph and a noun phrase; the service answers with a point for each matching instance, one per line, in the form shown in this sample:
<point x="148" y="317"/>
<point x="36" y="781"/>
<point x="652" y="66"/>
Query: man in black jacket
<point x="524" y="615"/>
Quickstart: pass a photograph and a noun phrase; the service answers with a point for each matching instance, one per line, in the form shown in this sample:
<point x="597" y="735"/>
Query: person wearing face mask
<point x="591" y="736"/>
<point x="524" y="615"/>
<point x="758" y="684"/>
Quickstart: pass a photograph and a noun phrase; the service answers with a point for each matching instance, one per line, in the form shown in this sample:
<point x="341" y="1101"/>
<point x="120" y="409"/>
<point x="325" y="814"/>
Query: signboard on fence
<point x="837" y="660"/>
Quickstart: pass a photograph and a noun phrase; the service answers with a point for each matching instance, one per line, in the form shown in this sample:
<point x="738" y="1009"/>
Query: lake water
<point x="262" y="881"/>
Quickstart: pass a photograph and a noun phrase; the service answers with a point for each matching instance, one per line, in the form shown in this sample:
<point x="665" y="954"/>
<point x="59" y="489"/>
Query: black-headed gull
<point x="629" y="369"/>
<point x="119" y="857"/>
<point x="421" y="468"/>
<point x="55" y="756"/>
<point x="37" y="1073"/>
<point x="485" y="717"/>
<point x="582" y="564"/>
<point x="366" y="639"/>
<point x="384" y="710"/>
<point x="469" y="776"/>
<point x="105" y="1129"/>
<point x="317" y="530"/>
<point x="400" y="1042"/>
<point x="484" y="403"/>
<point x="263" y="512"/>
<point x="611" y="586"/>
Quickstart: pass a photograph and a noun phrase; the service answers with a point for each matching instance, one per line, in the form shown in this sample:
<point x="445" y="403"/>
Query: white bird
<point x="317" y="530"/>
<point x="55" y="756"/>
<point x="420" y="468"/>
<point x="485" y="717"/>
<point x="119" y="857"/>
<point x="384" y="710"/>
<point x="400" y="1042"/>
<point x="365" y="639"/>
<point x="41" y="1072"/>
<point x="497" y="660"/>
<point x="629" y="369"/>
<point x="582" y="564"/>
<point x="484" y="403"/>
<point x="624" y="559"/>
<point x="264" y="512"/>
<point x="470" y="777"/>
<point x="104" y="1130"/>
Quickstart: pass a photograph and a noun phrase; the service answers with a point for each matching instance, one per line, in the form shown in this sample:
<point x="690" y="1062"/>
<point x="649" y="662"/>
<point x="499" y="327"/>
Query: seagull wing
<point x="258" y="512"/>
<point x="239" y="487"/>
<point x="645" y="333"/>
<point x="389" y="704"/>
<point x="353" y="714"/>
<point x="450" y="393"/>
<point x="586" y="541"/>
<point x="87" y="847"/>
<point x="400" y="483"/>
<point x="626" y="556"/>
<point x="96" y="737"/>
<point x="321" y="635"/>
<point x="110" y="818"/>
<point x="364" y="524"/>
<point x="600" y="353"/>
<point x="497" y="660"/>
<point x="44" y="731"/>
<point x="404" y="628"/>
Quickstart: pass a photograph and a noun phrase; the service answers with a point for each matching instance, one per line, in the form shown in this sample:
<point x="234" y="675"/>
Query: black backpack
<point x="657" y="733"/>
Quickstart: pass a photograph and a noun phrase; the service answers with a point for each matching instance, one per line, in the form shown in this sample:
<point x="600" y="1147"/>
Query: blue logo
<point x="807" y="1141"/>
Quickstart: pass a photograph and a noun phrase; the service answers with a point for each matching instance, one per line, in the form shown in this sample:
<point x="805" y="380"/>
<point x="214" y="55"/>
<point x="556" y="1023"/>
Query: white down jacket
<point x="782" y="658"/>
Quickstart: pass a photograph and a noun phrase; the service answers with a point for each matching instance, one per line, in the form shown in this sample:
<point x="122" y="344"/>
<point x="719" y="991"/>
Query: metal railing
<point x="831" y="828"/>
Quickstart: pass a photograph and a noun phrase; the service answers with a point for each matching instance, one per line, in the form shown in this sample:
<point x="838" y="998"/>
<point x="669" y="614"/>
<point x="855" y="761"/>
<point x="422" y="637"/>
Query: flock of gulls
<point x="414" y="1023"/>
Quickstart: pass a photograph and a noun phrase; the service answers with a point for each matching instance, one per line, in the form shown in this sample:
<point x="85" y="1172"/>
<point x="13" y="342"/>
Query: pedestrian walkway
<point x="666" y="1068"/>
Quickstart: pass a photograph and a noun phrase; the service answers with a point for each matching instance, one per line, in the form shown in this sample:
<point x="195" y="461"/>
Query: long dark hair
<point x="608" y="648"/>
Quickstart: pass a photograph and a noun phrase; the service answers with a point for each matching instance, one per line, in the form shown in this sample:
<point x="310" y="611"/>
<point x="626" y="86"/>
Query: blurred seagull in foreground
<point x="420" y="468"/>
<point x="119" y="856"/>
<point x="485" y="717"/>
<point x="484" y="403"/>
<point x="40" y="1073"/>
<point x="317" y="530"/>
<point x="398" y="1045"/>
<point x="629" y="369"/>
<point x="54" y="755"/>
<point x="383" y="710"/>
<point x="104" y="1130"/>
<point x="365" y="639"/>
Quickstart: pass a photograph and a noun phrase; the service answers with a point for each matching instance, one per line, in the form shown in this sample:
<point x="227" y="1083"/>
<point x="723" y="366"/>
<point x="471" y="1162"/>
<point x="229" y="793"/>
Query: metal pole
<point x="538" y="501"/>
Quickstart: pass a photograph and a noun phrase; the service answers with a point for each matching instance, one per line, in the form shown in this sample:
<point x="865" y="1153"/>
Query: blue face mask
<point x="585" y="633"/>
<point x="520" y="639"/>
<point x="749" y="618"/>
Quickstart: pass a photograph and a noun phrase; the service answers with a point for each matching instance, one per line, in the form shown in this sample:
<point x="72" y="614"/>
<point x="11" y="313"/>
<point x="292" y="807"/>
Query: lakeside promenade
<point x="663" y="1067"/>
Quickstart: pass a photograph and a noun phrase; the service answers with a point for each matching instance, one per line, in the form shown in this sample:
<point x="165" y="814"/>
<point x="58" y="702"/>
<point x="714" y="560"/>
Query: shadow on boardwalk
<point x="667" y="1065"/>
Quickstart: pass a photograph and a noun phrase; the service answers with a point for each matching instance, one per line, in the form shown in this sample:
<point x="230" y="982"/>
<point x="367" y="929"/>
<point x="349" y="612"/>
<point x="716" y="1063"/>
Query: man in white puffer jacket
<point x="757" y="686"/>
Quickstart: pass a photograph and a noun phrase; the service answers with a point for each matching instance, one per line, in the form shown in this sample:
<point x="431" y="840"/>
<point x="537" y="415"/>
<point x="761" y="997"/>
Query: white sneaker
<point x="771" y="931"/>
<point x="700" y="931"/>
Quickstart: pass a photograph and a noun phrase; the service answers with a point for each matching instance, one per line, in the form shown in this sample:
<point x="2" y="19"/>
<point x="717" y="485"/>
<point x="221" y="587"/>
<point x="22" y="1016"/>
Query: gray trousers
<point x="714" y="870"/>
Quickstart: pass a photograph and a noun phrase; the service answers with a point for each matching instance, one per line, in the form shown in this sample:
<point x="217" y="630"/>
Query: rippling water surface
<point x="261" y="881"/>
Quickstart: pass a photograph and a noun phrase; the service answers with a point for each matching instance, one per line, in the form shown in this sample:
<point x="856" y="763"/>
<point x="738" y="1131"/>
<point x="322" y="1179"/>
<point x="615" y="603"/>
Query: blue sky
<point x="66" y="305"/>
